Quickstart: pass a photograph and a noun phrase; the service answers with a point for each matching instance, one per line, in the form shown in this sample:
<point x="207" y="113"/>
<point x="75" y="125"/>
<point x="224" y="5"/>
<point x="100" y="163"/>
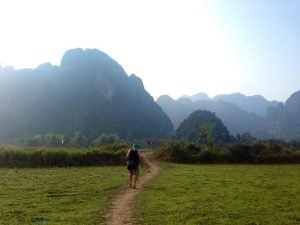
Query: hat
<point x="134" y="146"/>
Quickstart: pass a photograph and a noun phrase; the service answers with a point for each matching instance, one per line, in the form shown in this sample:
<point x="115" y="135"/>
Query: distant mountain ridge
<point x="270" y="119"/>
<point x="89" y="92"/>
<point x="256" y="103"/>
<point x="234" y="118"/>
<point x="283" y="120"/>
<point x="198" y="96"/>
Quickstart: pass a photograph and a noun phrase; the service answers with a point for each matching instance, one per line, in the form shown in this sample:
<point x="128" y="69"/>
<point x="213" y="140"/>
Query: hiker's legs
<point x="137" y="172"/>
<point x="135" y="177"/>
<point x="134" y="180"/>
<point x="130" y="180"/>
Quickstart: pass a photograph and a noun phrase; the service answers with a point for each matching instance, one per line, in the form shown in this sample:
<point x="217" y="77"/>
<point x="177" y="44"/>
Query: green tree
<point x="207" y="134"/>
<point x="79" y="140"/>
<point x="32" y="140"/>
<point x="207" y="123"/>
<point x="107" y="139"/>
<point x="53" y="140"/>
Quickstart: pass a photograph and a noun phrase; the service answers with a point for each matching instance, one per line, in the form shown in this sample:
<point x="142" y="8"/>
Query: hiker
<point x="134" y="159"/>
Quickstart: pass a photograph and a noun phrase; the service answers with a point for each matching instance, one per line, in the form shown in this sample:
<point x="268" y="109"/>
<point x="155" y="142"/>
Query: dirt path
<point x="122" y="206"/>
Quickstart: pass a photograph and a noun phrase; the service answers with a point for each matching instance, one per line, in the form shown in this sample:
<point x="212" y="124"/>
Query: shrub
<point x="116" y="147"/>
<point x="179" y="151"/>
<point x="252" y="152"/>
<point x="208" y="156"/>
<point x="240" y="153"/>
<point x="258" y="147"/>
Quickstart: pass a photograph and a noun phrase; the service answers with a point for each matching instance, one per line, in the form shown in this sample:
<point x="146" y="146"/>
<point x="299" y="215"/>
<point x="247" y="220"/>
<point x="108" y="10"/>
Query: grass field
<point x="58" y="195"/>
<point x="222" y="194"/>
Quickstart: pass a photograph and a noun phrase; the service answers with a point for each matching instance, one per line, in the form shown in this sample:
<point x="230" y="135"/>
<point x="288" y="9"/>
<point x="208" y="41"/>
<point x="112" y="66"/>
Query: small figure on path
<point x="134" y="159"/>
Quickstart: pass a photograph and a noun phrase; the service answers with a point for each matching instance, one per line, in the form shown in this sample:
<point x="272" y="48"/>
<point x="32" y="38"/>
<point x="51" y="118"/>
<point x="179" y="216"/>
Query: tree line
<point x="60" y="140"/>
<point x="253" y="151"/>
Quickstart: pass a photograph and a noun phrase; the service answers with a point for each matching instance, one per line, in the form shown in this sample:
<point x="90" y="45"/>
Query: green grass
<point x="221" y="194"/>
<point x="58" y="195"/>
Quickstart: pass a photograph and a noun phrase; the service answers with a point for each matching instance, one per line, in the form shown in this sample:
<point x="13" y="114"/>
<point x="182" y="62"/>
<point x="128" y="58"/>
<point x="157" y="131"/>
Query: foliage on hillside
<point x="59" y="140"/>
<point x="197" y="126"/>
<point x="89" y="92"/>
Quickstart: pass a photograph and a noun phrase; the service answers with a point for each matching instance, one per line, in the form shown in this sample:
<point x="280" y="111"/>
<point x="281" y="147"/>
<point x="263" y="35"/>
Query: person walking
<point x="134" y="159"/>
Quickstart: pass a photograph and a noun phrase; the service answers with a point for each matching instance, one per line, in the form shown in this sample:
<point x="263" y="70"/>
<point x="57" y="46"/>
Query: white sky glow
<point x="176" y="47"/>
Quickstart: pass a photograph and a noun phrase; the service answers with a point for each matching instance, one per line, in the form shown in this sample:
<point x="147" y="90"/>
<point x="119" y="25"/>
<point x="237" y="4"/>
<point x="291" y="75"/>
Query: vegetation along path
<point x="122" y="206"/>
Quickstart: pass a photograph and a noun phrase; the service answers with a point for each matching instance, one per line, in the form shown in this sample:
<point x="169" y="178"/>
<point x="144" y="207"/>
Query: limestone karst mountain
<point x="241" y="114"/>
<point x="89" y="92"/>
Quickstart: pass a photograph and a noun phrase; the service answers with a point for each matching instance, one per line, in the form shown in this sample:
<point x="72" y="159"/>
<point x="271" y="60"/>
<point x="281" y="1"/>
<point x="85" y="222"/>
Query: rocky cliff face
<point x="235" y="119"/>
<point x="284" y="120"/>
<point x="281" y="120"/>
<point x="89" y="92"/>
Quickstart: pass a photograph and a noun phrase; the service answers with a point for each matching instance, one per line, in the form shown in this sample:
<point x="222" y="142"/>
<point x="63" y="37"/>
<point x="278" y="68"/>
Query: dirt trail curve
<point x="122" y="205"/>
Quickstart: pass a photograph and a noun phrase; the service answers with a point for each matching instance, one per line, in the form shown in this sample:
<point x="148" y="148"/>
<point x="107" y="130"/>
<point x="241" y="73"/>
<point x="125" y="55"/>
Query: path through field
<point x="122" y="207"/>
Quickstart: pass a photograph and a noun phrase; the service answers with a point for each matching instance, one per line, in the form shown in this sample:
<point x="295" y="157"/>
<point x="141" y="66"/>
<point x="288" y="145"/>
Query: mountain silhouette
<point x="89" y="92"/>
<point x="265" y="120"/>
<point x="284" y="120"/>
<point x="198" y="96"/>
<point x="234" y="118"/>
<point x="191" y="127"/>
<point x="256" y="103"/>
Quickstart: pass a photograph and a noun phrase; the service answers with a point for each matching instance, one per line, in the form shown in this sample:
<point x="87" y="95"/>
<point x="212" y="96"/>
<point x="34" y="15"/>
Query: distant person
<point x="134" y="159"/>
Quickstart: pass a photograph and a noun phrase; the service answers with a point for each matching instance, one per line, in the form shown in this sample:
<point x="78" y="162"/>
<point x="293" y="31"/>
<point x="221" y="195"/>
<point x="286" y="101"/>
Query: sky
<point x="176" y="47"/>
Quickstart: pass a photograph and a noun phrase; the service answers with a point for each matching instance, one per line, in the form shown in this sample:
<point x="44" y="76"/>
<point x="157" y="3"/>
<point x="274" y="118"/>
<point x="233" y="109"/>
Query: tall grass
<point x="62" y="157"/>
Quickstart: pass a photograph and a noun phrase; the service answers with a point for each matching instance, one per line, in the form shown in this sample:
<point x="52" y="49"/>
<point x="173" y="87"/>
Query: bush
<point x="208" y="156"/>
<point x="116" y="147"/>
<point x="179" y="151"/>
<point x="241" y="153"/>
<point x="252" y="152"/>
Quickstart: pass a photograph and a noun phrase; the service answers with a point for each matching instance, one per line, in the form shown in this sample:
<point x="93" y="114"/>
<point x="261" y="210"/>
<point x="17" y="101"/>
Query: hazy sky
<point x="176" y="47"/>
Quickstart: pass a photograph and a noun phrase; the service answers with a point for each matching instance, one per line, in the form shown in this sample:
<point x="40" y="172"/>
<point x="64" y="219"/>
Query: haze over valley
<point x="91" y="93"/>
<point x="240" y="113"/>
<point x="98" y="67"/>
<point x="150" y="112"/>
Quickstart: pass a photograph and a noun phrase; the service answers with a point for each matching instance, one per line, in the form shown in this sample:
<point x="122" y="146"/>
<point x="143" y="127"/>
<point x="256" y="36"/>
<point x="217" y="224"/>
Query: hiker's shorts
<point x="134" y="171"/>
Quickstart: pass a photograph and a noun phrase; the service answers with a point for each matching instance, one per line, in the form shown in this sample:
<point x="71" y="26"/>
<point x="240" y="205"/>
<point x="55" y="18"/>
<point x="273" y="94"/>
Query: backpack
<point x="133" y="160"/>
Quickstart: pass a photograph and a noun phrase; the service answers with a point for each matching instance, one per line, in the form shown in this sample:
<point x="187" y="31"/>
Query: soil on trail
<point x="122" y="206"/>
